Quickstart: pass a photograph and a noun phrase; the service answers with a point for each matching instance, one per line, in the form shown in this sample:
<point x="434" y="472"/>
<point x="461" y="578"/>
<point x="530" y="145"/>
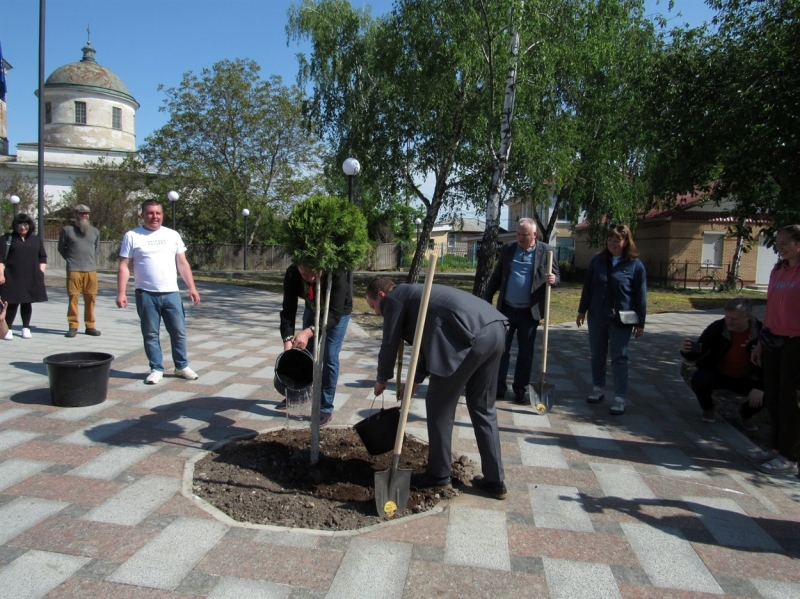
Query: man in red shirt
<point x="722" y="355"/>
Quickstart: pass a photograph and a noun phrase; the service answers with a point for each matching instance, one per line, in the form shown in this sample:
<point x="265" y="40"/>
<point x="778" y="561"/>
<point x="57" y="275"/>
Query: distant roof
<point x="461" y="225"/>
<point x="89" y="75"/>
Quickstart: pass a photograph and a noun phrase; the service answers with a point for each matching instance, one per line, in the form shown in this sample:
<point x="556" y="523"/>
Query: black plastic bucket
<point x="78" y="379"/>
<point x="294" y="369"/>
<point x="379" y="430"/>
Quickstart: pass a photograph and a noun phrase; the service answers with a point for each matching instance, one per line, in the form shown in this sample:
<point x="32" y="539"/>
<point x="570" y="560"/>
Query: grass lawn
<point x="564" y="300"/>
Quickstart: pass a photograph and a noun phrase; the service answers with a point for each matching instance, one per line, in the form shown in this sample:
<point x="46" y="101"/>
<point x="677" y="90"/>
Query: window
<point x="48" y="112"/>
<point x="116" y="118"/>
<point x="451" y="240"/>
<point x="80" y="113"/>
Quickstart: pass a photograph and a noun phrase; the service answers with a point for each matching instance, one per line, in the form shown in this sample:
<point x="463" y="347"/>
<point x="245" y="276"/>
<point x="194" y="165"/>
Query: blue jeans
<point x="606" y="337"/>
<point x="330" y="358"/>
<point x="521" y="322"/>
<point x="151" y="308"/>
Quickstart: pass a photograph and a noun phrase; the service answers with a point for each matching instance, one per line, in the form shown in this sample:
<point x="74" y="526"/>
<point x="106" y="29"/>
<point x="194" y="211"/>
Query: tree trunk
<point x="424" y="238"/>
<point x="488" y="250"/>
<point x="320" y="332"/>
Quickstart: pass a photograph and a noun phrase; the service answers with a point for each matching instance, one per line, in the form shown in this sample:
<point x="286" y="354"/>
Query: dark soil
<point x="269" y="480"/>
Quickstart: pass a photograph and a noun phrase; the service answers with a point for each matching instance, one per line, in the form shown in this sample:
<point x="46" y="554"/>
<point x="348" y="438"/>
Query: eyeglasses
<point x="619" y="229"/>
<point x="23" y="225"/>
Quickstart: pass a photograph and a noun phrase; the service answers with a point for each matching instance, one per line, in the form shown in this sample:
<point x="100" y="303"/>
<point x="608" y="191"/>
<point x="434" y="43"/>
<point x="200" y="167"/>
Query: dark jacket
<point x="499" y="278"/>
<point x="628" y="289"/>
<point x="715" y="342"/>
<point x="295" y="288"/>
<point x="24" y="279"/>
<point x="453" y="320"/>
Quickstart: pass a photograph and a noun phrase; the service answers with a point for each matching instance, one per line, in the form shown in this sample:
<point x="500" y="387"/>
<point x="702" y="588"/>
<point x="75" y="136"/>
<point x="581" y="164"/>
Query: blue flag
<point x="3" y="87"/>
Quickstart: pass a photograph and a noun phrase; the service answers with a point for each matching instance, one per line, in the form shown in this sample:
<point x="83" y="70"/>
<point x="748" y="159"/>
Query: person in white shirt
<point x="157" y="254"/>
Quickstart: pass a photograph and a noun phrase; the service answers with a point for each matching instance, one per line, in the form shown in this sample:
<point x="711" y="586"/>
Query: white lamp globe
<point x="245" y="212"/>
<point x="173" y="196"/>
<point x="351" y="167"/>
<point x="14" y="199"/>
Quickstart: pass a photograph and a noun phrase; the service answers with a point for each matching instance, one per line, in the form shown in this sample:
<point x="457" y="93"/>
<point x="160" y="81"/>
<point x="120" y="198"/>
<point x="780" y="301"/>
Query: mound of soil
<point x="269" y="480"/>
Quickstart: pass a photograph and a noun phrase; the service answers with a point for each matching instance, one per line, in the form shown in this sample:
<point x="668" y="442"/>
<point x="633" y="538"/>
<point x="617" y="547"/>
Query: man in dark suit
<point x="521" y="276"/>
<point x="461" y="347"/>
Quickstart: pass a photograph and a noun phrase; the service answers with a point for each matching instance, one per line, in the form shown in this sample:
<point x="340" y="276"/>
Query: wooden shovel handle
<point x="412" y="365"/>
<point x="546" y="314"/>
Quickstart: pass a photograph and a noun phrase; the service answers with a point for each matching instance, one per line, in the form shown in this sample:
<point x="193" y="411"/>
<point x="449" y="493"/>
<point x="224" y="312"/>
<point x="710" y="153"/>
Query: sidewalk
<point x="654" y="503"/>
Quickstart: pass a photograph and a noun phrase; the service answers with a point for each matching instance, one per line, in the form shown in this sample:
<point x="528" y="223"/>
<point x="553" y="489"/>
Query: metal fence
<point x="230" y="256"/>
<point x="681" y="274"/>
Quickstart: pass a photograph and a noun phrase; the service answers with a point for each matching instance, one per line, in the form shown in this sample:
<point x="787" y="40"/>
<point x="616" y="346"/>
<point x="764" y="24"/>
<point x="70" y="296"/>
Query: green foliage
<point x="113" y="192"/>
<point x="325" y="233"/>
<point x="14" y="183"/>
<point x="233" y="141"/>
<point x="725" y="111"/>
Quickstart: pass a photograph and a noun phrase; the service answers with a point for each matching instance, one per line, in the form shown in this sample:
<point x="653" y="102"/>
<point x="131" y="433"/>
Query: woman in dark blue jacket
<point x="615" y="282"/>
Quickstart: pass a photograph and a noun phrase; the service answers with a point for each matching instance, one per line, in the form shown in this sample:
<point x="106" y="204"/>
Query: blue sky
<point x="152" y="42"/>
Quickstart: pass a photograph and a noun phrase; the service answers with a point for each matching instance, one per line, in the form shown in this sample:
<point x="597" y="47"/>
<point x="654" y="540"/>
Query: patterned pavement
<point x="654" y="503"/>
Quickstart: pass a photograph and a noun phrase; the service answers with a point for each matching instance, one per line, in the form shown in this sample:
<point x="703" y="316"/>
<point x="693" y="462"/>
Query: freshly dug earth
<point x="269" y="480"/>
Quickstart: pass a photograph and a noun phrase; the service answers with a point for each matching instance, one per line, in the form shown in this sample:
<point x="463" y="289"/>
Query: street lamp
<point x="351" y="168"/>
<point x="245" y="214"/>
<point x="418" y="222"/>
<point x="173" y="196"/>
<point x="14" y="200"/>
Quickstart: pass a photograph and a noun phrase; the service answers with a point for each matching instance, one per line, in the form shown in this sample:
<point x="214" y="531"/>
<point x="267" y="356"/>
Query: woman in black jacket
<point x="23" y="261"/>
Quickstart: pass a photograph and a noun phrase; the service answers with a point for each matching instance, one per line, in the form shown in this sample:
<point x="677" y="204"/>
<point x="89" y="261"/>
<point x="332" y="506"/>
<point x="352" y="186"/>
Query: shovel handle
<point x="546" y="315"/>
<point x="412" y="365"/>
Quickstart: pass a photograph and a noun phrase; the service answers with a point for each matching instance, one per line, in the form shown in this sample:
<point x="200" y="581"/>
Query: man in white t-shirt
<point x="157" y="254"/>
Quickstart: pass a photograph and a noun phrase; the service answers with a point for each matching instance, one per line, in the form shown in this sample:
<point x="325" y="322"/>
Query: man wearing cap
<point x="77" y="244"/>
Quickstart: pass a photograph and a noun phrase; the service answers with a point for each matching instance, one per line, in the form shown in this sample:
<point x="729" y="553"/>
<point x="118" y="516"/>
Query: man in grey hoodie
<point x="78" y="244"/>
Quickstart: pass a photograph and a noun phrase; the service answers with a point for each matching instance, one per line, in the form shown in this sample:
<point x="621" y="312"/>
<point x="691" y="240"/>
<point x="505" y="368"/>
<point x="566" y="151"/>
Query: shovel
<point x="542" y="393"/>
<point x="392" y="486"/>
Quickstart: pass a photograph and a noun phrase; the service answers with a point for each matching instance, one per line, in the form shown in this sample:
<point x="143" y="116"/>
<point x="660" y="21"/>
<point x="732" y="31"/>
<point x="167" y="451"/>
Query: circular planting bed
<point x="269" y="480"/>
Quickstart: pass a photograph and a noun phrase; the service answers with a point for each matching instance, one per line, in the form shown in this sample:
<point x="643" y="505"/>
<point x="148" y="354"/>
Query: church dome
<point x="88" y="75"/>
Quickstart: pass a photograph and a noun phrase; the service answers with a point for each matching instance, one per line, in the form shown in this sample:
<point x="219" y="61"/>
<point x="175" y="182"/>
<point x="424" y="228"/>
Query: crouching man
<point x="722" y="356"/>
<point x="461" y="347"/>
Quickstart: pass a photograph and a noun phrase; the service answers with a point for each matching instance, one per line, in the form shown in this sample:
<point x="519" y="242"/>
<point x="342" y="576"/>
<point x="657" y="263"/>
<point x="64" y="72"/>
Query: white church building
<point x="89" y="115"/>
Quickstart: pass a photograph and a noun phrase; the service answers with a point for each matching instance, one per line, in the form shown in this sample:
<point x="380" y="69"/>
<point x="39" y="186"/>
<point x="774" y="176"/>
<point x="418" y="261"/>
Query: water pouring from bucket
<point x="294" y="377"/>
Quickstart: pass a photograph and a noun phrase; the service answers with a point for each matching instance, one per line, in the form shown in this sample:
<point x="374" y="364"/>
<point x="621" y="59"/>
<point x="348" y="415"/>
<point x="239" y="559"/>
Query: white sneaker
<point x="187" y="373"/>
<point x="154" y="377"/>
<point x="618" y="407"/>
<point x="596" y="396"/>
<point x="9" y="336"/>
<point x="26" y="333"/>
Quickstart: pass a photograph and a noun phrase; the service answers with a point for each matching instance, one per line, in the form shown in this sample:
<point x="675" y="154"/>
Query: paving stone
<point x="36" y="573"/>
<point x="629" y="575"/>
<point x="356" y="577"/>
<point x="197" y="583"/>
<point x="13" y="471"/>
<point x="477" y="537"/>
<point x="558" y="507"/>
<point x="541" y="451"/>
<point x="97" y="569"/>
<point x="97" y="432"/>
<point x="135" y="502"/>
<point x="10" y="438"/>
<point x="113" y="462"/>
<point x="673" y="462"/>
<point x="167" y="399"/>
<point x="621" y="481"/>
<point x="660" y="552"/>
<point x="591" y="437"/>
<point x="78" y="414"/>
<point x="21" y="514"/>
<point x="166" y="560"/>
<point x="238" y="588"/>
<point x="427" y="553"/>
<point x="8" y="415"/>
<point x="730" y="524"/>
<point x="578" y="580"/>
<point x="528" y="565"/>
<point x="773" y="589"/>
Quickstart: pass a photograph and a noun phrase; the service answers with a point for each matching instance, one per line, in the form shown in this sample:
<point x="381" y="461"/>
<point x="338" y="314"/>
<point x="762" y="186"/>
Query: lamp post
<point x="173" y="197"/>
<point x="418" y="222"/>
<point x="245" y="214"/>
<point x="351" y="168"/>
<point x="14" y="200"/>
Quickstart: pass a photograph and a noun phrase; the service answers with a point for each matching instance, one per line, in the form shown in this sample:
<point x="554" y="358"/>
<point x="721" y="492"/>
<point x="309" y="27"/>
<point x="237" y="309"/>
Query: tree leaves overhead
<point x="233" y="141"/>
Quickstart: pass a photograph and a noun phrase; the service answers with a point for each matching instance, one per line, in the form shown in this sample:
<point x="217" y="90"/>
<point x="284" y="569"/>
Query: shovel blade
<point x="543" y="397"/>
<point x="392" y="487"/>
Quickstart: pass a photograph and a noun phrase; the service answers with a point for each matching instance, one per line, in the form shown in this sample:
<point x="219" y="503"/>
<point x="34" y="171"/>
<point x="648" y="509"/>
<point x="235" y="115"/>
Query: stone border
<point x="187" y="487"/>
